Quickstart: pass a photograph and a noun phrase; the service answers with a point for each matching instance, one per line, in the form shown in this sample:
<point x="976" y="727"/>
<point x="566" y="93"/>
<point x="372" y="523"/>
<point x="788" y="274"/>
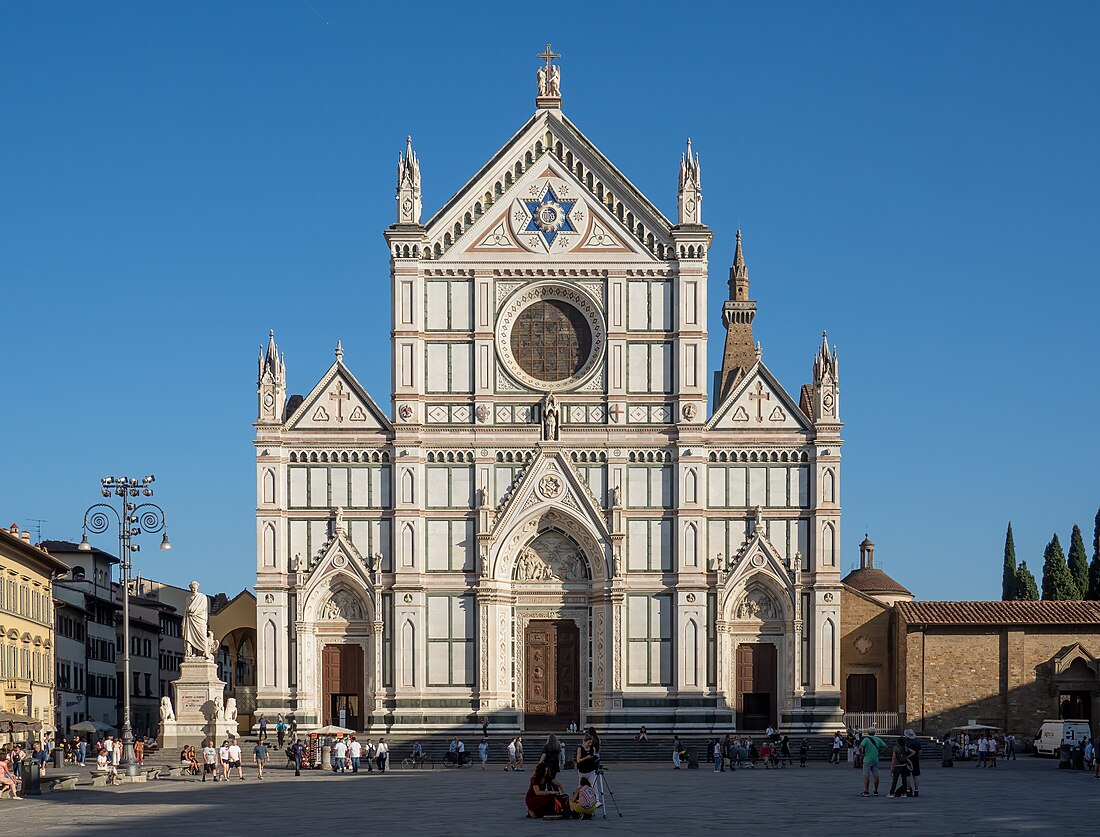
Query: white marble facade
<point x="555" y="448"/>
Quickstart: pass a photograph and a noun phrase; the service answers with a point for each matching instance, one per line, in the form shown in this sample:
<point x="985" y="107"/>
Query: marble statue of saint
<point x="166" y="713"/>
<point x="550" y="419"/>
<point x="553" y="86"/>
<point x="542" y="81"/>
<point x="194" y="624"/>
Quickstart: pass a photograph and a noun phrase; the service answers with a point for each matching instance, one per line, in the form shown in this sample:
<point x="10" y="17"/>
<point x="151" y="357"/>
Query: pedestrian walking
<point x="210" y="760"/>
<point x="511" y="756"/>
<point x="223" y="757"/>
<point x="263" y="726"/>
<point x="280" y="731"/>
<point x="383" y="754"/>
<point x="236" y="757"/>
<point x="483" y="751"/>
<point x="803" y="751"/>
<point x="339" y="753"/>
<point x="259" y="756"/>
<point x="676" y="749"/>
<point x="297" y="753"/>
<point x="368" y="755"/>
<point x="838" y="745"/>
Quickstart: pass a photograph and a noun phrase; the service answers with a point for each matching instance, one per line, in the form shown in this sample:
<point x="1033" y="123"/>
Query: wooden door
<point x="551" y="674"/>
<point x="756" y="669"/>
<point x="861" y="693"/>
<point x="342" y="684"/>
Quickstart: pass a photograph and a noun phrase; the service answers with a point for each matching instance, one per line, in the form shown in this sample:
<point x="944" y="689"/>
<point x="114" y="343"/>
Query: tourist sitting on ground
<point x="583" y="801"/>
<point x="544" y="798"/>
<point x="642" y="734"/>
<point x="766" y="753"/>
<point x="9" y="783"/>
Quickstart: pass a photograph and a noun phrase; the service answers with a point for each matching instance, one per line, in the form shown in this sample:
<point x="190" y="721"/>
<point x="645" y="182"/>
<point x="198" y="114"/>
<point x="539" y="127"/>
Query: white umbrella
<point x="332" y="729"/>
<point x="91" y="726"/>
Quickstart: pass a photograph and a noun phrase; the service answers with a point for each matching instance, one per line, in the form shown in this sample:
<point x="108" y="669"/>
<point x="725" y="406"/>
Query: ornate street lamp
<point x="134" y="519"/>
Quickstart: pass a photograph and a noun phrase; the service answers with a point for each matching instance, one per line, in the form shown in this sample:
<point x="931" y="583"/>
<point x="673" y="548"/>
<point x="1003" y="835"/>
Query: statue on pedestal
<point x="195" y="619"/>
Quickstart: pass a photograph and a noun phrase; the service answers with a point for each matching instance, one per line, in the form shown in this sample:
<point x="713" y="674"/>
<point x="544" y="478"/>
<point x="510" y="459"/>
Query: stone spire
<point x="690" y="190"/>
<point x="738" y="313"/>
<point x="408" y="186"/>
<point x="271" y="382"/>
<point x="826" y="383"/>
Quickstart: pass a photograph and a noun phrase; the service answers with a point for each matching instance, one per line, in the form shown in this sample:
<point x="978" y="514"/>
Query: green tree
<point x="1094" y="567"/>
<point x="1058" y="584"/>
<point x="1026" y="589"/>
<point x="1008" y="572"/>
<point x="1078" y="562"/>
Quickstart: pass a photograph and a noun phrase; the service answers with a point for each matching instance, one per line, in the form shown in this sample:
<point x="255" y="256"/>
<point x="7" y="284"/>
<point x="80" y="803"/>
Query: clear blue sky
<point x="176" y="178"/>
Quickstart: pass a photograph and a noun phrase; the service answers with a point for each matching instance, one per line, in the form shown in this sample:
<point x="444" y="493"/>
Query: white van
<point x="1053" y="734"/>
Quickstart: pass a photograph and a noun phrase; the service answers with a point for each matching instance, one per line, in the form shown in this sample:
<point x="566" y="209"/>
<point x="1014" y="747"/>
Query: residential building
<point x="27" y="642"/>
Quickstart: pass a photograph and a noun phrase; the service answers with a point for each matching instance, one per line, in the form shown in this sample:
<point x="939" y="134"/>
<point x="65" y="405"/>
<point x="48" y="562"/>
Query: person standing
<point x="717" y="755"/>
<point x="899" y="769"/>
<point x="236" y="757"/>
<point x="368" y="755"/>
<point x="676" y="748"/>
<point x="383" y="753"/>
<point x="297" y="753"/>
<point x="82" y="751"/>
<point x="983" y="751"/>
<point x="259" y="756"/>
<point x="355" y="753"/>
<point x="519" y="752"/>
<point x="209" y="760"/>
<point x="280" y="731"/>
<point x="1010" y="747"/>
<point x="511" y="756"/>
<point x="803" y="751"/>
<point x="483" y="751"/>
<point x="223" y="757"/>
<point x="263" y="726"/>
<point x="912" y="744"/>
<point x="139" y="750"/>
<point x="339" y="753"/>
<point x="838" y="745"/>
<point x="871" y="746"/>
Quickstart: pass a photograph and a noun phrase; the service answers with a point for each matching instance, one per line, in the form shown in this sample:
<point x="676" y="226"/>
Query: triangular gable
<point x="758" y="402"/>
<point x="338" y="555"/>
<point x="582" y="225"/>
<point x="548" y="139"/>
<point x="756" y="558"/>
<point x="338" y="402"/>
<point x="550" y="479"/>
<point x="1070" y="654"/>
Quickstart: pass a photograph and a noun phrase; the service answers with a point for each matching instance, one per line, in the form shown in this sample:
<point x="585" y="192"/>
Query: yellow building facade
<point x="27" y="626"/>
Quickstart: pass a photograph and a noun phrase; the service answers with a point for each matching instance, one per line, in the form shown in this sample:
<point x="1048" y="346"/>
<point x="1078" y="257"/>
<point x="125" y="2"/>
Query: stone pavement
<point x="1030" y="795"/>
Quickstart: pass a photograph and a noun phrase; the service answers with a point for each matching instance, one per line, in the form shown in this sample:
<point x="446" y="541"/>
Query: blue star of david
<point x="549" y="216"/>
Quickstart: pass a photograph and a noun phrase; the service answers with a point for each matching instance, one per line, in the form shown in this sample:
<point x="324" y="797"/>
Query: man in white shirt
<point x="983" y="751"/>
<point x="235" y="757"/>
<point x="511" y="755"/>
<point x="340" y="752"/>
<point x="355" y="750"/>
<point x="383" y="753"/>
<point x="209" y="761"/>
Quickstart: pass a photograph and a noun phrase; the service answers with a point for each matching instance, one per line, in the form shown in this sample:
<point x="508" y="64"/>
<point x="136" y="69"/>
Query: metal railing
<point x="881" y="721"/>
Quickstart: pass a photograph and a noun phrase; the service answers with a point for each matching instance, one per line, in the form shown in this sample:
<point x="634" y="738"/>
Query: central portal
<point x="551" y="663"/>
<point x="756" y="686"/>
<point x="342" y="685"/>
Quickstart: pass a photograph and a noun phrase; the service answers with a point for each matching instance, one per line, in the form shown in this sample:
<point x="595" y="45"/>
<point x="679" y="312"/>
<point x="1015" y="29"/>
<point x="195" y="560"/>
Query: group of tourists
<point x="220" y="762"/>
<point x="732" y="752"/>
<point x="986" y="747"/>
<point x="545" y="795"/>
<point x="904" y="757"/>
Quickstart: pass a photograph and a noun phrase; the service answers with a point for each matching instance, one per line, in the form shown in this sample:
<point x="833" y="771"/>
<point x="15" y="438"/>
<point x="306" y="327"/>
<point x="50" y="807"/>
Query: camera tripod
<point x="602" y="787"/>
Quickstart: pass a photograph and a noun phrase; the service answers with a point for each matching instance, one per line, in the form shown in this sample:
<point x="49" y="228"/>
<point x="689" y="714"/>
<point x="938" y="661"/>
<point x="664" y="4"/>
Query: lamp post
<point x="134" y="519"/>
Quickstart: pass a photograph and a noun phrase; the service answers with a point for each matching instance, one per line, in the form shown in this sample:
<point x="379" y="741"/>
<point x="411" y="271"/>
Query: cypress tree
<point x="1026" y="590"/>
<point x="1094" y="567"/>
<point x="1058" y="584"/>
<point x="1079" y="562"/>
<point x="1008" y="572"/>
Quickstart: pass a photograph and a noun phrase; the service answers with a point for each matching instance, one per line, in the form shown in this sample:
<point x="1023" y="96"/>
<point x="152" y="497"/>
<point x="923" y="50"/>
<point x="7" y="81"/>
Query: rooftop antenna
<point x="37" y="521"/>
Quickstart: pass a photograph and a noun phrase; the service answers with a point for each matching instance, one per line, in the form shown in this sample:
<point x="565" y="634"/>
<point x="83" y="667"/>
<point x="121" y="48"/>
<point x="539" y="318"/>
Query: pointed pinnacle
<point x="738" y="257"/>
<point x="339" y="350"/>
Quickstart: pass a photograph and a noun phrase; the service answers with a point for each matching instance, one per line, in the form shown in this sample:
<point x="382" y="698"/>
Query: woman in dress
<point x="8" y="781"/>
<point x="544" y="796"/>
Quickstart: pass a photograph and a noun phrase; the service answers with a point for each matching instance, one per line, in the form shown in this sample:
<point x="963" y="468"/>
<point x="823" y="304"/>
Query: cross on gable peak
<point x="549" y="81"/>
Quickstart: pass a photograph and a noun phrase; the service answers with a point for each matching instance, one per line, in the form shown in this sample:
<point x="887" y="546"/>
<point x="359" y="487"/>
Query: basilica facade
<point x="563" y="515"/>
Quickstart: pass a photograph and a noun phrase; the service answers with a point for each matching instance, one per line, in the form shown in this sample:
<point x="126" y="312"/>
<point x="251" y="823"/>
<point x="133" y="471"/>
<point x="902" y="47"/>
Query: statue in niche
<point x="613" y="497"/>
<point x="550" y="419"/>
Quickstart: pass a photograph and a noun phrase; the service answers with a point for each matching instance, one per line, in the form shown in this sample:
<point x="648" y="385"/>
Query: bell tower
<point x="271" y="383"/>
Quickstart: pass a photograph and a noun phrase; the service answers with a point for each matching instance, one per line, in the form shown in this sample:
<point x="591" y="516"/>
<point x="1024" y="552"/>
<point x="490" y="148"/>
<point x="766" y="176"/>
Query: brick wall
<point x="999" y="675"/>
<point x="866" y="645"/>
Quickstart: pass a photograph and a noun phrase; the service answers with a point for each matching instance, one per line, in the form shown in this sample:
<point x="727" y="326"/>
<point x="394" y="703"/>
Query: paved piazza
<point x="1028" y="796"/>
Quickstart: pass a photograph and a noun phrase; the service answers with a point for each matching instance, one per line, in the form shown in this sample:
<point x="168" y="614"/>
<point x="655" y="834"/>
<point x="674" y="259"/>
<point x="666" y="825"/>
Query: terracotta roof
<point x="1001" y="613"/>
<point x="872" y="580"/>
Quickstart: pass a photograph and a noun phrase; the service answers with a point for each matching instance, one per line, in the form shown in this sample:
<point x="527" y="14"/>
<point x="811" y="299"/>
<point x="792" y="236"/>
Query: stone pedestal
<point x="197" y="700"/>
